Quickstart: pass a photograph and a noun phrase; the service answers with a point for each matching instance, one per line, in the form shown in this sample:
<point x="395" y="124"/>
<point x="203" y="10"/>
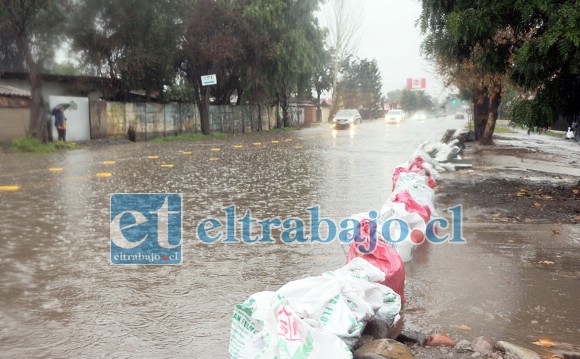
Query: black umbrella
<point x="64" y="106"/>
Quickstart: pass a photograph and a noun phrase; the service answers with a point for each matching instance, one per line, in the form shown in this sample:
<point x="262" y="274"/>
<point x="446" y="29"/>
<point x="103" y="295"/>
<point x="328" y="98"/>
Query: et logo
<point x="146" y="228"/>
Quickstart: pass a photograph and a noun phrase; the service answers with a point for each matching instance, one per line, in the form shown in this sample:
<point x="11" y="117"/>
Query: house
<point x="16" y="99"/>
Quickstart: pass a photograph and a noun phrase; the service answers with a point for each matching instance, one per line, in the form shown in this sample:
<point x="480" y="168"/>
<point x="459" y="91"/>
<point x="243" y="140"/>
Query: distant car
<point x="347" y="117"/>
<point x="460" y="116"/>
<point x="394" y="116"/>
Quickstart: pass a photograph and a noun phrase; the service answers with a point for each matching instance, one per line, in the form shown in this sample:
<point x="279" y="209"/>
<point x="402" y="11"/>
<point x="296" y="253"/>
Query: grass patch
<point x="555" y="134"/>
<point x="501" y="129"/>
<point x="33" y="145"/>
<point x="188" y="137"/>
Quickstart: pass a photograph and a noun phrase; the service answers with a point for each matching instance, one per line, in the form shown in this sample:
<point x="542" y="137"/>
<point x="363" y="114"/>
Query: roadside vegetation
<point x="33" y="145"/>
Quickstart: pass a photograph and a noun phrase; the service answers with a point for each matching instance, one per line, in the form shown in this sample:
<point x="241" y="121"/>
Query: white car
<point x="394" y="116"/>
<point x="347" y="117"/>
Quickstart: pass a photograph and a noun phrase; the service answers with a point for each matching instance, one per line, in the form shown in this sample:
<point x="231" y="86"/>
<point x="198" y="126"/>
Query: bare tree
<point x="343" y="20"/>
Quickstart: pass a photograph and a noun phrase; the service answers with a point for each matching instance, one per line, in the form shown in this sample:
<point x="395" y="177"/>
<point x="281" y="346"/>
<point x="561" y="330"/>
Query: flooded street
<point x="61" y="297"/>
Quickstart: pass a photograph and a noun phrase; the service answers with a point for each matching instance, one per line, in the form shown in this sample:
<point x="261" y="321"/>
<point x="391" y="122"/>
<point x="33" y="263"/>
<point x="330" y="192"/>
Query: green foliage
<point x="394" y="96"/>
<point x="32" y="30"/>
<point x="548" y="62"/>
<point x="361" y="85"/>
<point x="31" y="144"/>
<point x="415" y="100"/>
<point x="531" y="113"/>
<point x="180" y="92"/>
<point x="533" y="44"/>
<point x="132" y="42"/>
<point x="293" y="45"/>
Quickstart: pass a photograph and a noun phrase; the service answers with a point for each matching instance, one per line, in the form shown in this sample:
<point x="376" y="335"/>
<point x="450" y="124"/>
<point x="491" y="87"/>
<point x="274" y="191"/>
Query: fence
<point x="149" y="120"/>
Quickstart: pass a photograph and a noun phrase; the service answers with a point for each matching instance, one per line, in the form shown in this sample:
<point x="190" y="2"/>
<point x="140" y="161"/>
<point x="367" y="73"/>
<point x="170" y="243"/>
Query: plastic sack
<point x="339" y="302"/>
<point x="390" y="309"/>
<point x="314" y="317"/>
<point x="414" y="222"/>
<point x="266" y="326"/>
<point x="411" y="205"/>
<point x="416" y="185"/>
<point x="424" y="169"/>
<point x="383" y="256"/>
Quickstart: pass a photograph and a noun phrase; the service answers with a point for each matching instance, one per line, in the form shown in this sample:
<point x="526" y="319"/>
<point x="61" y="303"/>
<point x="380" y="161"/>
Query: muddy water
<point x="61" y="297"/>
<point x="514" y="282"/>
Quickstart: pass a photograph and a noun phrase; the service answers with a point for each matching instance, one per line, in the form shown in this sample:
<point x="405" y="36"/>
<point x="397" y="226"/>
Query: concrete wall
<point x="149" y="120"/>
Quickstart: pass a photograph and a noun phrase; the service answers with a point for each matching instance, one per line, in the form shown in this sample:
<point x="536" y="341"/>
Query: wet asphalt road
<point x="61" y="297"/>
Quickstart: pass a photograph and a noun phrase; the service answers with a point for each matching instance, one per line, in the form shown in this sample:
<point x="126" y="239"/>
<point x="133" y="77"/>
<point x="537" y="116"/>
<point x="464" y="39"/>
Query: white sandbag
<point x="417" y="186"/>
<point x="266" y="326"/>
<point x="339" y="302"/>
<point x="404" y="246"/>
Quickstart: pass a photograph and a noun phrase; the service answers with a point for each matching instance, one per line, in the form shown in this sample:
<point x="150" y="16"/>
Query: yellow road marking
<point x="55" y="169"/>
<point x="10" y="188"/>
<point x="104" y="174"/>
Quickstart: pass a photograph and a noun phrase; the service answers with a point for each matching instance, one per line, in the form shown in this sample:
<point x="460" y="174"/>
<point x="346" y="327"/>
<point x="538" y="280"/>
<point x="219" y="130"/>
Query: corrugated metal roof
<point x="13" y="91"/>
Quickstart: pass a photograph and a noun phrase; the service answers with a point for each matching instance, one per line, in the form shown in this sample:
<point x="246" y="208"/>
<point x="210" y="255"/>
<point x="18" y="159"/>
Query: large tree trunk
<point x="37" y="126"/>
<point x="202" y="102"/>
<point x="285" y="114"/>
<point x="203" y="106"/>
<point x="318" y="109"/>
<point x="480" y="112"/>
<point x="494" y="102"/>
<point x="279" y="122"/>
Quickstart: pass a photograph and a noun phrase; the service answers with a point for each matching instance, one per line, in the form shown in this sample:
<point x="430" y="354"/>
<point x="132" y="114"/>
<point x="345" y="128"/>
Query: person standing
<point x="60" y="124"/>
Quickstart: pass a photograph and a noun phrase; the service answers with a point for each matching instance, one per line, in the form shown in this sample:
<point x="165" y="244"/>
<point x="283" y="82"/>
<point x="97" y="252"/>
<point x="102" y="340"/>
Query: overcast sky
<point x="388" y="34"/>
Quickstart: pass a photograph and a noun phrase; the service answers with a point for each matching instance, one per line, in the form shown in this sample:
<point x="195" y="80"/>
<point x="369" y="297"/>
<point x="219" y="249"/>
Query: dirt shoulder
<point x="521" y="179"/>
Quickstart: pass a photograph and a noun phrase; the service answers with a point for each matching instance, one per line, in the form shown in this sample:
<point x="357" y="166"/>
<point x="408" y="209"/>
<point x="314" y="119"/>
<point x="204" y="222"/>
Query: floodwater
<point x="61" y="297"/>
